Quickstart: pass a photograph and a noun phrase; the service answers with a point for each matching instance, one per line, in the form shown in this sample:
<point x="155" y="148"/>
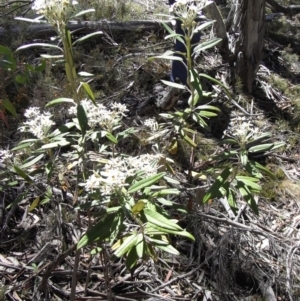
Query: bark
<point x="214" y="13"/>
<point x="249" y="20"/>
<point x="289" y="10"/>
<point x="35" y="31"/>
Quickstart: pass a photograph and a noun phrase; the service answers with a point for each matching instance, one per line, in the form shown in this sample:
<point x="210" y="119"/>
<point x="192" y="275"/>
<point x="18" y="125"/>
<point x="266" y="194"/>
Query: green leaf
<point x="8" y="62"/>
<point x="175" y="85"/>
<point x="145" y="182"/>
<point x="189" y="141"/>
<point x="207" y="44"/>
<point x="163" y="192"/>
<point x="196" y="83"/>
<point x="169" y="248"/>
<point x="216" y="82"/>
<point x="259" y="140"/>
<point x="9" y="107"/>
<point x="158" y="241"/>
<point x="131" y="258"/>
<point x="213" y="191"/>
<point x="140" y="245"/>
<point x="104" y="229"/>
<point x="60" y="100"/>
<point x="152" y="229"/>
<point x="161" y="221"/>
<point x="62" y="142"/>
<point x="34" y="204"/>
<point x="50" y="57"/>
<point x="250" y="182"/>
<point x="87" y="74"/>
<point x="244" y="157"/>
<point x="264" y="169"/>
<point x="96" y="251"/>
<point x="88" y="36"/>
<point x="260" y="148"/>
<point x="277" y="145"/>
<point x="138" y="207"/>
<point x="171" y="31"/>
<point x="21" y="79"/>
<point x="40" y="45"/>
<point x="126" y="244"/>
<point x="247" y="195"/>
<point x="83" y="12"/>
<point x="23" y="145"/>
<point x="82" y="118"/>
<point x="49" y="169"/>
<point x="23" y="174"/>
<point x="89" y="92"/>
<point x="111" y="137"/>
<point x="203" y="26"/>
<point x="33" y="161"/>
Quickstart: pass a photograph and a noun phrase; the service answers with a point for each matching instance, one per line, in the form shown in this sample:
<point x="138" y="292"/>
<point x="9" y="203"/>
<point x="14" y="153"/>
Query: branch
<point x="289" y="10"/>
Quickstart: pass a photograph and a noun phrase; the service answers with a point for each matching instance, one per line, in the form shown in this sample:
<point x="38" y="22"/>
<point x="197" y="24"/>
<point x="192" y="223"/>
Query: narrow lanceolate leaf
<point x="207" y="44"/>
<point x="83" y="12"/>
<point x="264" y="169"/>
<point x="278" y="145"/>
<point x="39" y="45"/>
<point x="261" y="148"/>
<point x="145" y="182"/>
<point x="88" y="36"/>
<point x="214" y="190"/>
<point x="196" y="83"/>
<point x="175" y="85"/>
<point x="140" y="245"/>
<point x="244" y="157"/>
<point x="203" y="26"/>
<point x="152" y="229"/>
<point x="250" y="182"/>
<point x="104" y="229"/>
<point x="60" y="100"/>
<point x="161" y="221"/>
<point x="89" y="92"/>
<point x="248" y="196"/>
<point x="216" y="82"/>
<point x="9" y="107"/>
<point x="171" y="31"/>
<point x="34" y="204"/>
<point x="169" y="248"/>
<point x="126" y="245"/>
<point x="82" y="118"/>
<point x="23" y="174"/>
<point x="33" y="161"/>
<point x="189" y="141"/>
<point x="131" y="258"/>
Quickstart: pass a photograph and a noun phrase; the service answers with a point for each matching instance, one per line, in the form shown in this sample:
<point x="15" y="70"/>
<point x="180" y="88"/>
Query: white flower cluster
<point x="5" y="156"/>
<point x="37" y="123"/>
<point x="57" y="12"/>
<point x="242" y="129"/>
<point x="100" y="115"/>
<point x="188" y="10"/>
<point x="115" y="172"/>
<point x="152" y="124"/>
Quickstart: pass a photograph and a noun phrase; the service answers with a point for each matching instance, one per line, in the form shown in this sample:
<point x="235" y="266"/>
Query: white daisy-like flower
<point x="101" y="116"/>
<point x="38" y="123"/>
<point x="5" y="156"/>
<point x="112" y="177"/>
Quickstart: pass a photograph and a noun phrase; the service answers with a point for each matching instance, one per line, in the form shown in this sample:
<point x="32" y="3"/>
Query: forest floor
<point x="246" y="257"/>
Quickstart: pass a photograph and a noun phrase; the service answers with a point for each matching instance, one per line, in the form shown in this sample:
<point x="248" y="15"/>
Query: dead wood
<point x="289" y="10"/>
<point x="35" y="31"/>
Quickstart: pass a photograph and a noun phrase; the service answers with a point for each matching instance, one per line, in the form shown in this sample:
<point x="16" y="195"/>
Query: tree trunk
<point x="248" y="27"/>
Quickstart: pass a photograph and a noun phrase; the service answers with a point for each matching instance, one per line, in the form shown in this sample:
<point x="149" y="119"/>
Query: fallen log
<point x="37" y="31"/>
